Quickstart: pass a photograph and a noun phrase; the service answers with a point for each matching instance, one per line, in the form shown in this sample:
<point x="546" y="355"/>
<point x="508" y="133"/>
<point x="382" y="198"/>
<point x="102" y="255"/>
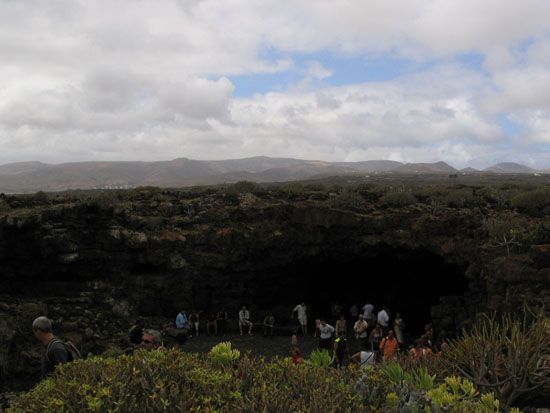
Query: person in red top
<point x="389" y="346"/>
<point x="420" y="350"/>
<point x="296" y="357"/>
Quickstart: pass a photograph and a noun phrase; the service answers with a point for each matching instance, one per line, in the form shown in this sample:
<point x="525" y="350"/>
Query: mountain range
<point x="24" y="177"/>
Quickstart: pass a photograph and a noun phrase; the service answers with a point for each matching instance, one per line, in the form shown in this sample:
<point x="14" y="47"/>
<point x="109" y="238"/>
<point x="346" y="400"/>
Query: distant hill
<point x="509" y="168"/>
<point x="469" y="170"/>
<point x="36" y="176"/>
<point x="422" y="168"/>
<point x="21" y="167"/>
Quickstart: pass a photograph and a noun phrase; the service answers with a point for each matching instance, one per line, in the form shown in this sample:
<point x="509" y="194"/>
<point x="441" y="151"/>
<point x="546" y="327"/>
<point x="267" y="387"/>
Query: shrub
<point x="397" y="199"/>
<point x="510" y="231"/>
<point x="224" y="354"/>
<point x="535" y="203"/>
<point x="243" y="187"/>
<point x="348" y="200"/>
<point x="170" y="380"/>
<point x="462" y="198"/>
<point x="509" y="356"/>
<point x="321" y="358"/>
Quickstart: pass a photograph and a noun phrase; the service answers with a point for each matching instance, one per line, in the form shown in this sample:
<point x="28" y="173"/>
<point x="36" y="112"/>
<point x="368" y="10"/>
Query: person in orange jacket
<point x="389" y="346"/>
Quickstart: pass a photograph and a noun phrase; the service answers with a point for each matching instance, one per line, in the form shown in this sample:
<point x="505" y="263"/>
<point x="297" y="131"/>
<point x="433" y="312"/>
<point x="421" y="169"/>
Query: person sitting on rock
<point x="212" y="324"/>
<point x="151" y="340"/>
<point x="55" y="352"/>
<point x="269" y="323"/>
<point x="182" y="321"/>
<point x="182" y="327"/>
<point x="194" y="323"/>
<point x="301" y="311"/>
<point x="244" y="320"/>
<point x="389" y="346"/>
<point x="222" y="322"/>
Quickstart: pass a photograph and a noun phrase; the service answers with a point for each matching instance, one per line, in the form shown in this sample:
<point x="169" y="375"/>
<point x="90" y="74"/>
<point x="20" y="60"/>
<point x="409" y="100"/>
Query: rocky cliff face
<point x="94" y="265"/>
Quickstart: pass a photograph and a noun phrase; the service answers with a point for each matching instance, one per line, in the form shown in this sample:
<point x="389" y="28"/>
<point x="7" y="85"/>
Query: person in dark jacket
<point x="55" y="352"/>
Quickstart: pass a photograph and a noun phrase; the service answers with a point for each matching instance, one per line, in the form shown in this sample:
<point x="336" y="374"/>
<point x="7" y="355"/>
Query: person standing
<point x="398" y="327"/>
<point x="341" y="326"/>
<point x="244" y="320"/>
<point x="389" y="346"/>
<point x="374" y="338"/>
<point x="383" y="319"/>
<point x="360" y="329"/>
<point x="325" y="335"/>
<point x="368" y="313"/>
<point x="301" y="311"/>
<point x="55" y="352"/>
<point x="340" y="349"/>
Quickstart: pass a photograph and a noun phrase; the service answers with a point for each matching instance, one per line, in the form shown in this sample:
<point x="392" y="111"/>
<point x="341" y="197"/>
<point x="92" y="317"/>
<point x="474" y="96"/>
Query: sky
<point x="466" y="82"/>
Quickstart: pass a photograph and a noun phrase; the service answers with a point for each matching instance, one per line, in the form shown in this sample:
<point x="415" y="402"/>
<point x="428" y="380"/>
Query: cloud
<point x="152" y="80"/>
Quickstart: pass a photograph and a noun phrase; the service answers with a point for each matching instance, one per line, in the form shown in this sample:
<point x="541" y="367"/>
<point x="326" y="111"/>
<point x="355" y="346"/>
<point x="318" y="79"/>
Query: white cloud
<point x="150" y="80"/>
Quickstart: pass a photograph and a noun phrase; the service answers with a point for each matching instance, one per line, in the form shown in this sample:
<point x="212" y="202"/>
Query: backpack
<point x="72" y="351"/>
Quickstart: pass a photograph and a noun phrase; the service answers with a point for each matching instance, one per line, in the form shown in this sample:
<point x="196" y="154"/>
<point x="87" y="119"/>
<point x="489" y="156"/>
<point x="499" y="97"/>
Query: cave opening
<point x="407" y="281"/>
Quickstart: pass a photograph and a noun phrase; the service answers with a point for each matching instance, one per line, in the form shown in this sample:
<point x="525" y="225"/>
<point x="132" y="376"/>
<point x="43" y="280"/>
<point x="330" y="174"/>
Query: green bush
<point x="321" y="358"/>
<point x="535" y="203"/>
<point x="224" y="354"/>
<point x="397" y="390"/>
<point x="242" y="187"/>
<point x="509" y="357"/>
<point x="348" y="200"/>
<point x="170" y="380"/>
<point x="462" y="198"/>
<point x="397" y="199"/>
<point x="174" y="381"/>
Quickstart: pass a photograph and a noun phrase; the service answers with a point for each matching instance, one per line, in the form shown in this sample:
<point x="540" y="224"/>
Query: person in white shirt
<point x="364" y="358"/>
<point x="368" y="313"/>
<point x="383" y="320"/>
<point x="244" y="321"/>
<point x="301" y="310"/>
<point x="325" y="335"/>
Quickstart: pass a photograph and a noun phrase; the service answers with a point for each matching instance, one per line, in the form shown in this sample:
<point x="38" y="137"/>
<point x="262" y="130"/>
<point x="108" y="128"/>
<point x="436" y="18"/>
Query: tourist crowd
<point x="377" y="334"/>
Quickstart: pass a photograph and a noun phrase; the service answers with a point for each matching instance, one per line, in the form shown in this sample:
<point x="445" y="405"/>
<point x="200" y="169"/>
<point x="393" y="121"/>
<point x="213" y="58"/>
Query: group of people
<point x="189" y="324"/>
<point x="372" y="330"/>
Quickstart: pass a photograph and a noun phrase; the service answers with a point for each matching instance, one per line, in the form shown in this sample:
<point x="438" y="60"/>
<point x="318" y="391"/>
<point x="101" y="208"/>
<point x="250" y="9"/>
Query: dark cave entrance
<point x="406" y="281"/>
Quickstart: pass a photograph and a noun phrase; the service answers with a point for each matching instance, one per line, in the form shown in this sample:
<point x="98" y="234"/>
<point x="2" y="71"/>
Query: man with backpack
<point x="55" y="350"/>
